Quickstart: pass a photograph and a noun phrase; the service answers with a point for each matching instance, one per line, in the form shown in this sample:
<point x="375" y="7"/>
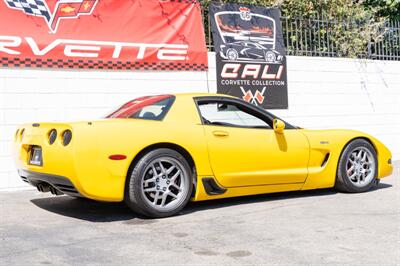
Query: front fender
<point x="330" y="144"/>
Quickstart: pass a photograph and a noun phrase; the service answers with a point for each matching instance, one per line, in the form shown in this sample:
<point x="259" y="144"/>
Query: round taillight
<point x="52" y="136"/>
<point x="66" y="137"/>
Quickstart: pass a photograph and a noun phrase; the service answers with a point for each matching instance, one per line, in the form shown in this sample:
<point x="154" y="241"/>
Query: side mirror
<point x="279" y="126"/>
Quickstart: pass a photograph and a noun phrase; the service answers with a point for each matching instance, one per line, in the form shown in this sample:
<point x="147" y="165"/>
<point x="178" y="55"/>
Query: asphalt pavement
<point x="310" y="227"/>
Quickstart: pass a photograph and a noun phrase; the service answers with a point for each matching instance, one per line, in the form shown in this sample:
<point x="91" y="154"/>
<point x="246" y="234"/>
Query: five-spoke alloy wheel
<point x="160" y="184"/>
<point x="357" y="169"/>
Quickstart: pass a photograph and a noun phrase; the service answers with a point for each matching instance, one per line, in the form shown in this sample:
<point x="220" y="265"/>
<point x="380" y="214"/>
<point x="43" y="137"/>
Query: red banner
<point x="102" y="34"/>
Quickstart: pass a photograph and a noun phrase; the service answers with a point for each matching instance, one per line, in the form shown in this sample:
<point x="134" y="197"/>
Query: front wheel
<point x="160" y="184"/>
<point x="270" y="57"/>
<point x="358" y="167"/>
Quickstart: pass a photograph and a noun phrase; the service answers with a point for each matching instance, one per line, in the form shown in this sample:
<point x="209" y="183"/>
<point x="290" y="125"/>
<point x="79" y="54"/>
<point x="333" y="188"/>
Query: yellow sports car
<point x="158" y="152"/>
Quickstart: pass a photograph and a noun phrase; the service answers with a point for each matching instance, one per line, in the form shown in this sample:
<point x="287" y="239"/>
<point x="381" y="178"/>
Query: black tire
<point x="343" y="182"/>
<point x="134" y="192"/>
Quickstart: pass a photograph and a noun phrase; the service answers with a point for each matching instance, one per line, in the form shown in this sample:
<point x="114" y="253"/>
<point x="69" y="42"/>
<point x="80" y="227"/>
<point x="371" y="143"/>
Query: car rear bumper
<point x="60" y="183"/>
<point x="79" y="168"/>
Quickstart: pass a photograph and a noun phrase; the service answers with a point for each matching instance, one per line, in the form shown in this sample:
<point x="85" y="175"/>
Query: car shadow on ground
<point x="206" y="205"/>
<point x="95" y="211"/>
<point x="85" y="209"/>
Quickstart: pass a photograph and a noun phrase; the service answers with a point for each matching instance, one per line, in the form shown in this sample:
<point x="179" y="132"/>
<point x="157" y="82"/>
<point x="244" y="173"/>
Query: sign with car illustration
<point x="250" y="54"/>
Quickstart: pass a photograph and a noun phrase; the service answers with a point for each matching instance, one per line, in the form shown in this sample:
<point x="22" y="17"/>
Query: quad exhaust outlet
<point x="43" y="187"/>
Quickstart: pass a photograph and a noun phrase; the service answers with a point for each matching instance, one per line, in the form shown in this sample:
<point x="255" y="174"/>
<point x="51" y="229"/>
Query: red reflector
<point x="117" y="157"/>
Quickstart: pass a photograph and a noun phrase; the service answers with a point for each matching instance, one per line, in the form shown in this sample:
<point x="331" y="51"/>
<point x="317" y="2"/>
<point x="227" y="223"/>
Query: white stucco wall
<point x="323" y="93"/>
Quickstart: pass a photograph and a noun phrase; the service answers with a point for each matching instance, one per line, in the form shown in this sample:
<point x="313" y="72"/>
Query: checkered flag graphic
<point x="31" y="7"/>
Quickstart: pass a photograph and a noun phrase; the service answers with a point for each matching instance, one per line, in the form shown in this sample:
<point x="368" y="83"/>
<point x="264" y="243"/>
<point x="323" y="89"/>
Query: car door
<point x="244" y="150"/>
<point x="254" y="51"/>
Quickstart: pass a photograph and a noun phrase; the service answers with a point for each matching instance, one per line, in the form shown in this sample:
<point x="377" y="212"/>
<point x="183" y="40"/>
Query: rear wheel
<point x="358" y="167"/>
<point x="232" y="54"/>
<point x="160" y="184"/>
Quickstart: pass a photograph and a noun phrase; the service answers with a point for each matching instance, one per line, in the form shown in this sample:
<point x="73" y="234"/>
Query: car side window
<point x="226" y="114"/>
<point x="148" y="107"/>
<point x="153" y="111"/>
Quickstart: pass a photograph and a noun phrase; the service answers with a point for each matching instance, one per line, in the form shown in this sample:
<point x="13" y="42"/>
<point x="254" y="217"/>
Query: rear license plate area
<point x="36" y="156"/>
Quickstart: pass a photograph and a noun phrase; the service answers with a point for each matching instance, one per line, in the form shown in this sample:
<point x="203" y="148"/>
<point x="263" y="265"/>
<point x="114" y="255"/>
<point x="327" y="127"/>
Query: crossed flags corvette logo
<point x="256" y="98"/>
<point x="64" y="9"/>
<point x="102" y="34"/>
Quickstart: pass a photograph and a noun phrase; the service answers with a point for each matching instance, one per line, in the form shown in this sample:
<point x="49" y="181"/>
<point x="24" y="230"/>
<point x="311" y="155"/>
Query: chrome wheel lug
<point x="164" y="177"/>
<point x="158" y="187"/>
<point x="158" y="180"/>
<point x="168" y="182"/>
<point x="164" y="189"/>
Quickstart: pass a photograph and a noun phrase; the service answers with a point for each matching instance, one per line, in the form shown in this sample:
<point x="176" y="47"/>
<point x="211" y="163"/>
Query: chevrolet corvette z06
<point x="158" y="152"/>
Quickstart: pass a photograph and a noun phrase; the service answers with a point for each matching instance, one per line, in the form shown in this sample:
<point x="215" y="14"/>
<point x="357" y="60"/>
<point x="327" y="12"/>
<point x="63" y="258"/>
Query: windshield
<point x="148" y="107"/>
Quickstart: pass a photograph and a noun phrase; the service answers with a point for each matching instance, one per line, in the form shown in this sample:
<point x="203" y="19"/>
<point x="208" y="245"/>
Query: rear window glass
<point x="148" y="107"/>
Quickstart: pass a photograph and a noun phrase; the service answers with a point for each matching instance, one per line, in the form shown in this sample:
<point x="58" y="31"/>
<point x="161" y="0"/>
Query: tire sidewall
<point x="135" y="197"/>
<point x="342" y="177"/>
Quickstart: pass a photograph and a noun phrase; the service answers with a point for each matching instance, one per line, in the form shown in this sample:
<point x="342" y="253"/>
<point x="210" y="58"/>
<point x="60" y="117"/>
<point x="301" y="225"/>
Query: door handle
<point x="220" y="133"/>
